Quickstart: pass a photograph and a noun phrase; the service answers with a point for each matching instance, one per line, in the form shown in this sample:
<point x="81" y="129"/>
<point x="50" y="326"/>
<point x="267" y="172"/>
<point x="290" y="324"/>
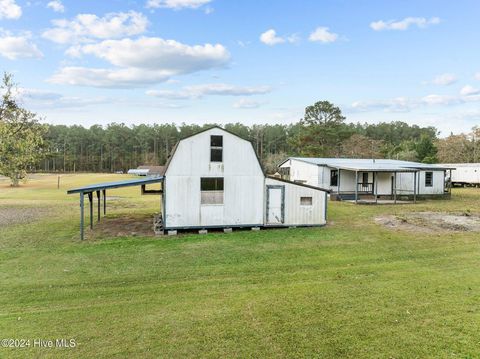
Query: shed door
<point x="275" y="204"/>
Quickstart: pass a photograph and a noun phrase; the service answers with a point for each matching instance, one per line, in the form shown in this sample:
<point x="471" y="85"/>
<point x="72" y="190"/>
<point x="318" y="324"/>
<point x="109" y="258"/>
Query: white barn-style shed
<point x="213" y="179"/>
<point x="369" y="179"/>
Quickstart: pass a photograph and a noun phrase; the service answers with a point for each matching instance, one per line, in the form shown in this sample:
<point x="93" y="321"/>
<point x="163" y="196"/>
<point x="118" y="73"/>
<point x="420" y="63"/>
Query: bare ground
<point x="124" y="225"/>
<point x="20" y="215"/>
<point x="432" y="222"/>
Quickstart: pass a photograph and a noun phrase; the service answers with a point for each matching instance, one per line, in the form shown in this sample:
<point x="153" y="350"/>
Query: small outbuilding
<point x="214" y="179"/>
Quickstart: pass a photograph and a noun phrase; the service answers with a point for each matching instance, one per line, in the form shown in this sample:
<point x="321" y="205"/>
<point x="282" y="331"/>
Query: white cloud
<point x="404" y="24"/>
<point x="86" y="27"/>
<point x="469" y="90"/>
<point x="245" y="103"/>
<point x="15" y="47"/>
<point x="199" y="91"/>
<point x="405" y="104"/>
<point x="270" y="38"/>
<point x="440" y="100"/>
<point x="322" y="34"/>
<point x="445" y="79"/>
<point x="113" y="78"/>
<point x="42" y="99"/>
<point x="142" y="61"/>
<point x="176" y="4"/>
<point x="9" y="9"/>
<point x="56" y="5"/>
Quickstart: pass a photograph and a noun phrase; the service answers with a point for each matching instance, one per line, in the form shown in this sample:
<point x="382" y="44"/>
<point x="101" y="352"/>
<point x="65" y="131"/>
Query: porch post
<point x="450" y="183"/>
<point x="356" y="186"/>
<point x="81" y="215"/>
<point x="375" y="187"/>
<point x="415" y="187"/>
<point x="338" y="182"/>
<point x="395" y="187"/>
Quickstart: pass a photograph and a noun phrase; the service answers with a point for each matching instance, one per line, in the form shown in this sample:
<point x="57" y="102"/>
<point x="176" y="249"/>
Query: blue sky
<point x="197" y="61"/>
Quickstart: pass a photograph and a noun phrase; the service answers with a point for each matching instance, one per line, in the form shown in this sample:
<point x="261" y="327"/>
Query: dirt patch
<point x="124" y="225"/>
<point x="432" y="222"/>
<point x="20" y="215"/>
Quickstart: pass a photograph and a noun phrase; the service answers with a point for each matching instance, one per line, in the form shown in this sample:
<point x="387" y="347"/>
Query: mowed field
<point x="353" y="289"/>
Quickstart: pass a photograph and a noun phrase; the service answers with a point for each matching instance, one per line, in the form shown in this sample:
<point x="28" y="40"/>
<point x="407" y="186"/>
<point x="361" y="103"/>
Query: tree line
<point x="26" y="145"/>
<point x="323" y="132"/>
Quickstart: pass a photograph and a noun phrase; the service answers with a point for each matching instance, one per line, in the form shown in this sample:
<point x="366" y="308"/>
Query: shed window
<point x="216" y="148"/>
<point x="211" y="190"/>
<point x="334" y="178"/>
<point x="428" y="179"/>
<point x="305" y="201"/>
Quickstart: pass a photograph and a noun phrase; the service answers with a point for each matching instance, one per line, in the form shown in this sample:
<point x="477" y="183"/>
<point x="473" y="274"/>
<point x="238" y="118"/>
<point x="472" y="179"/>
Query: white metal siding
<point x="243" y="183"/>
<point x="296" y="214"/>
<point x="302" y="171"/>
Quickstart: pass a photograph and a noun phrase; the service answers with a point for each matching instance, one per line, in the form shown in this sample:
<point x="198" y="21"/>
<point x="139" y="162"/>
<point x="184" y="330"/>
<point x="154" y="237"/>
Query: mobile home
<point x="465" y="174"/>
<point x="354" y="179"/>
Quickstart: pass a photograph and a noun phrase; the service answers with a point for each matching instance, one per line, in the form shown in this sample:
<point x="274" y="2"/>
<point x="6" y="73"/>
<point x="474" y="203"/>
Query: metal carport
<point x="101" y="188"/>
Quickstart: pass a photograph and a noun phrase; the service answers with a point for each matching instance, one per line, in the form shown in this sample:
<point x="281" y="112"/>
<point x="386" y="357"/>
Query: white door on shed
<point x="275" y="205"/>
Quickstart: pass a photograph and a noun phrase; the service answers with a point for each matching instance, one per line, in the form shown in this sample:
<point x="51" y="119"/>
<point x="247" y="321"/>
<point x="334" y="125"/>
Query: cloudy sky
<point x="197" y="61"/>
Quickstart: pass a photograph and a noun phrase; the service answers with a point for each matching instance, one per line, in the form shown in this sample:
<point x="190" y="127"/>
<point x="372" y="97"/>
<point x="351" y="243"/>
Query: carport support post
<point x="98" y="203"/>
<point x="395" y="187"/>
<point x="104" y="202"/>
<point x="375" y="186"/>
<point x="81" y="215"/>
<point x="90" y="200"/>
<point x="356" y="186"/>
<point x="415" y="187"/>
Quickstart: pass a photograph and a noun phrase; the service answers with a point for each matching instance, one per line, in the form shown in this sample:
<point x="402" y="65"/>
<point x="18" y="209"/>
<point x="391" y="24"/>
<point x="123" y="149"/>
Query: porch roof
<point x="372" y="165"/>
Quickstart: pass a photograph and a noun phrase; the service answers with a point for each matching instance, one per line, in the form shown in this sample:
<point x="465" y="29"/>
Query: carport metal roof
<point x="117" y="184"/>
<point x="101" y="188"/>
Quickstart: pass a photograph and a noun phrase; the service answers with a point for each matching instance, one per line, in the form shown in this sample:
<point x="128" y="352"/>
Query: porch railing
<point x="365" y="187"/>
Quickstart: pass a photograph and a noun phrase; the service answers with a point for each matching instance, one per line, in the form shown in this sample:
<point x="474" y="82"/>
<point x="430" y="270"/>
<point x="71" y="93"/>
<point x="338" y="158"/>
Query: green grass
<point x="352" y="289"/>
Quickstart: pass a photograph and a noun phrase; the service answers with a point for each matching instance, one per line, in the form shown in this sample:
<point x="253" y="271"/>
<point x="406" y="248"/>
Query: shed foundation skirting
<point x="253" y="227"/>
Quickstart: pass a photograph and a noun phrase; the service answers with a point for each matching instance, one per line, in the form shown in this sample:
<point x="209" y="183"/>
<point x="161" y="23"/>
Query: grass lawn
<point x="352" y="289"/>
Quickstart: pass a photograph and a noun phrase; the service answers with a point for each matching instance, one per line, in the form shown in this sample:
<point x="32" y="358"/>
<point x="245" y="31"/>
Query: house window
<point x="211" y="190"/>
<point x="305" y="201"/>
<point x="365" y="178"/>
<point x="428" y="179"/>
<point x="216" y="148"/>
<point x="334" y="178"/>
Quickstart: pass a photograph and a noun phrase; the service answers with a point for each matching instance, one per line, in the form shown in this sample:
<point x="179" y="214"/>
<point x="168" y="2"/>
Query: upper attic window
<point x="216" y="148"/>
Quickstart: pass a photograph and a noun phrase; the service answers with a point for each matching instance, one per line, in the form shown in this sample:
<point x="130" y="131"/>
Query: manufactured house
<point x="369" y="179"/>
<point x="465" y="174"/>
<point x="214" y="179"/>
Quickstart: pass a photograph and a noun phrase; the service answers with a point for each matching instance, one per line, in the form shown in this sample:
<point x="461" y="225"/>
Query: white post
<point x="356" y="186"/>
<point x="395" y="187"/>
